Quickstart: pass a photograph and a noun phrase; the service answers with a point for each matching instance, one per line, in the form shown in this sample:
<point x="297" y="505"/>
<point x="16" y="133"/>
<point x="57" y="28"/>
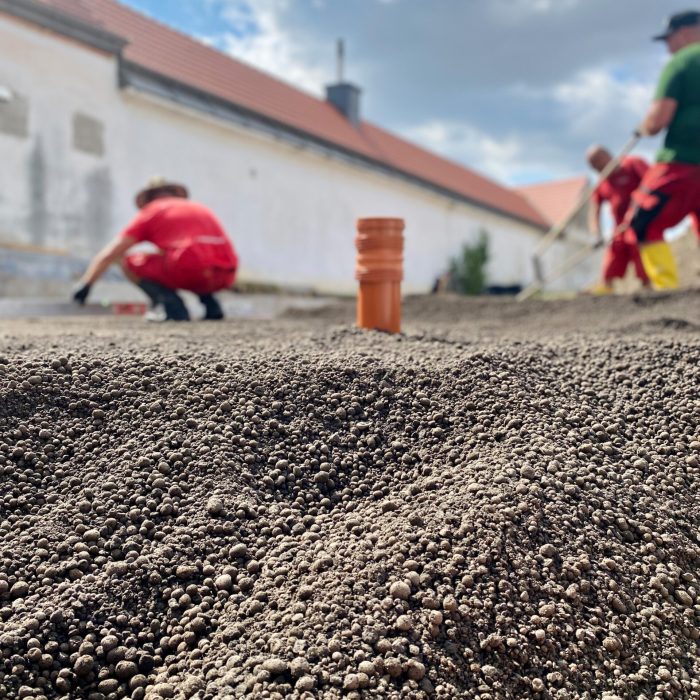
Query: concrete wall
<point x="71" y="168"/>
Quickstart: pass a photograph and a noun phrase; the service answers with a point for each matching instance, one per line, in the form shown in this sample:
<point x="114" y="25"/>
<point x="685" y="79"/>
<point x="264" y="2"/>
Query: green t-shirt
<point x="680" y="81"/>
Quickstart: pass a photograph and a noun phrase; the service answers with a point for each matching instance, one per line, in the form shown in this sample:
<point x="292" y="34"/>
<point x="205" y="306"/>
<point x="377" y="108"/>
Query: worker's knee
<point x="644" y="226"/>
<point x="128" y="270"/>
<point x="648" y="219"/>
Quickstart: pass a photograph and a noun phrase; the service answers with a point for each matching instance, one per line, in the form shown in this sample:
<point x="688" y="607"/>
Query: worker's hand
<point x="81" y="293"/>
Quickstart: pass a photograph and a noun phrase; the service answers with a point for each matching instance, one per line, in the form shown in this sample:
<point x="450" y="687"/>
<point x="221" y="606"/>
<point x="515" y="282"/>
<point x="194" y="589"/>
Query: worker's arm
<point x="100" y="263"/>
<point x="659" y="116"/>
<point x="106" y="257"/>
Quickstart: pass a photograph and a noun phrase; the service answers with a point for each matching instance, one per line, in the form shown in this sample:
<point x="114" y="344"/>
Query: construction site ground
<point x="475" y="319"/>
<point x="501" y="502"/>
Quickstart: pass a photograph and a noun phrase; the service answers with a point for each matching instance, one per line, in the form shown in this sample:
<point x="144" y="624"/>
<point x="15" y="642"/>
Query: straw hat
<point x="160" y="183"/>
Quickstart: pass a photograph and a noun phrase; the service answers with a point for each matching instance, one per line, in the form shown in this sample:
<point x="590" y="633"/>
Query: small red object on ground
<point x="131" y="308"/>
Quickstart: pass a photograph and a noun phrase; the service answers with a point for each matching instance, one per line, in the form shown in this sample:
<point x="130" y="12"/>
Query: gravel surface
<point x="500" y="503"/>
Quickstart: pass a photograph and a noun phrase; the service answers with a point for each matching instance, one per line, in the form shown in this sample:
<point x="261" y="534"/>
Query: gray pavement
<point x="248" y="306"/>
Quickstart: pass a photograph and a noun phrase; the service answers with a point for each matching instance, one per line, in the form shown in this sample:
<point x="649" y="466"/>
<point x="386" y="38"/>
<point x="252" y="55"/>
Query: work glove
<point x="81" y="293"/>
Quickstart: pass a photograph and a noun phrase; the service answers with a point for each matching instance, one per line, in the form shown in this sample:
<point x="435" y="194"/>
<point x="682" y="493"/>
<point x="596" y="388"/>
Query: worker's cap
<point x="157" y="184"/>
<point x="690" y="18"/>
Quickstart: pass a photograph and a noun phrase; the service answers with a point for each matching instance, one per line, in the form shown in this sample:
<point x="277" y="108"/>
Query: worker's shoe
<point x="167" y="304"/>
<point x="600" y="289"/>
<point x="212" y="308"/>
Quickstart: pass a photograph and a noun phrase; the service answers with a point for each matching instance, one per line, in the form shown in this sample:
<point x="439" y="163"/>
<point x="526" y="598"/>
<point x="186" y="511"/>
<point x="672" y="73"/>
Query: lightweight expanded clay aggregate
<point x="295" y="510"/>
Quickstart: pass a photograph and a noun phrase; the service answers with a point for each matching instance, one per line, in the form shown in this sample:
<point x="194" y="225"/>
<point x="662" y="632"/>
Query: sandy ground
<point x="456" y="318"/>
<point x="501" y="502"/>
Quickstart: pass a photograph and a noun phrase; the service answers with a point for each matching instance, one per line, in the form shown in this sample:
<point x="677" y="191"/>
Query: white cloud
<point x="509" y="11"/>
<point x="239" y="17"/>
<point x="257" y="37"/>
<point x="506" y="160"/>
<point x="595" y="99"/>
<point x="547" y="5"/>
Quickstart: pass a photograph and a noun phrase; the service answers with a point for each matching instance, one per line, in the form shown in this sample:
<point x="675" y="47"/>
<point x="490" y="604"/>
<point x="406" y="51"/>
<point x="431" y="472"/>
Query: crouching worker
<point x="194" y="253"/>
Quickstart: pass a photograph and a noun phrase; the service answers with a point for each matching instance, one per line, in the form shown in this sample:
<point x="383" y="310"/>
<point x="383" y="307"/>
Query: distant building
<point x="556" y="200"/>
<point x="95" y="98"/>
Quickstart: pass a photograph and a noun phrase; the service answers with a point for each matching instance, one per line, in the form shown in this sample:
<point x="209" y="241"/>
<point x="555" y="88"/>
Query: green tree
<point x="468" y="269"/>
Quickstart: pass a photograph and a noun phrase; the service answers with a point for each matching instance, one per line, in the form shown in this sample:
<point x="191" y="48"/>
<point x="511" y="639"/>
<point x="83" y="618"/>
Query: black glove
<point x="81" y="294"/>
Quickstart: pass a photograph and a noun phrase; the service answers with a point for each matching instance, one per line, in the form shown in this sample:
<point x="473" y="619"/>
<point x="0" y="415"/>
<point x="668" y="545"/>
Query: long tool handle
<point x="571" y="262"/>
<point x="556" y="231"/>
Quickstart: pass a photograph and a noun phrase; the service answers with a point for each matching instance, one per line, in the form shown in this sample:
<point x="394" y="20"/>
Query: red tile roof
<point x="174" y="55"/>
<point x="555" y="200"/>
<point x="77" y="8"/>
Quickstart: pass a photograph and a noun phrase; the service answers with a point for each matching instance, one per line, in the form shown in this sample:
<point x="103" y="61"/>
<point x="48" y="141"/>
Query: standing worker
<point x="616" y="189"/>
<point x="670" y="190"/>
<point x="194" y="253"/>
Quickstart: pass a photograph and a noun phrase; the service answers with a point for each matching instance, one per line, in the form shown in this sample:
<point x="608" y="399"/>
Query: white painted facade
<point x="289" y="208"/>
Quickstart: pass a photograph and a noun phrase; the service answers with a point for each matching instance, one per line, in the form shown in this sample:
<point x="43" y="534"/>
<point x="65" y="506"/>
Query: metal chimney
<point x="344" y="96"/>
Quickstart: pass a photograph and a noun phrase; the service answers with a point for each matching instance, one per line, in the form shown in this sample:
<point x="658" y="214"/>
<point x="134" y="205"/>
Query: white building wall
<point x="52" y="195"/>
<point x="290" y="210"/>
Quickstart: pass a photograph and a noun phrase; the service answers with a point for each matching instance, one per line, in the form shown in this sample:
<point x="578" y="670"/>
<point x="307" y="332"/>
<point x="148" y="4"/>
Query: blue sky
<point x="198" y="17"/>
<point x="514" y="88"/>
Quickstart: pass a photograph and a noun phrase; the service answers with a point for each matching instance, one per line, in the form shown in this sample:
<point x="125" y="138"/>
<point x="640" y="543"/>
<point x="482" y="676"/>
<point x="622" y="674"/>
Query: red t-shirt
<point x="620" y="185"/>
<point x="174" y="224"/>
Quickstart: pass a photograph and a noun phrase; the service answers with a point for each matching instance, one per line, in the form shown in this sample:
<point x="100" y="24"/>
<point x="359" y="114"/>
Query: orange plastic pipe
<point x="379" y="271"/>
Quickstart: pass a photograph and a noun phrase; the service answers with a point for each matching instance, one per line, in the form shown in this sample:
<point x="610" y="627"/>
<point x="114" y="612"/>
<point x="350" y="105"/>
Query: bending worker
<point x="194" y="253"/>
<point x="670" y="190"/>
<point x="616" y="189"/>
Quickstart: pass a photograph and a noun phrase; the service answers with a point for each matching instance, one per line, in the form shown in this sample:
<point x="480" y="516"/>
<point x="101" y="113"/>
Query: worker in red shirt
<point x="194" y="253"/>
<point x="616" y="189"/>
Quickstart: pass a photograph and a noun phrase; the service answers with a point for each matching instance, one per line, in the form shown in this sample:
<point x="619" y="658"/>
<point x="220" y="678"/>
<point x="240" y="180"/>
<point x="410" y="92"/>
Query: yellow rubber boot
<point x="660" y="265"/>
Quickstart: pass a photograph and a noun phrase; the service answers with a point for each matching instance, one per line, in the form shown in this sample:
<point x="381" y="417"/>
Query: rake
<point x="558" y="229"/>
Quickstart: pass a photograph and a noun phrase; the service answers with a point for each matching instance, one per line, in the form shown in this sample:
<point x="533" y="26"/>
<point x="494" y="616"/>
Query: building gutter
<point x="66" y="25"/>
<point x="143" y="80"/>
